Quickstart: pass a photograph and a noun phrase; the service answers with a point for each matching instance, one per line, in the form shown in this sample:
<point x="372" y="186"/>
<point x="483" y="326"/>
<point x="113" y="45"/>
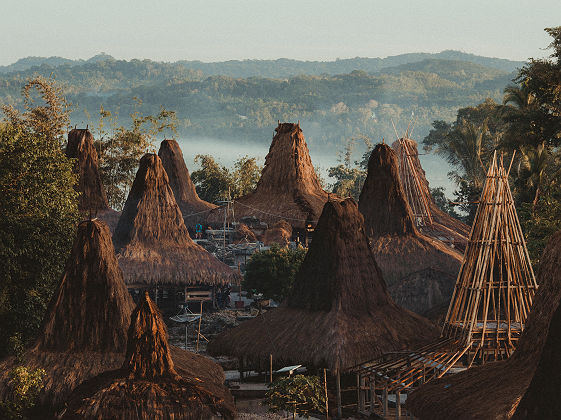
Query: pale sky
<point x="216" y="30"/>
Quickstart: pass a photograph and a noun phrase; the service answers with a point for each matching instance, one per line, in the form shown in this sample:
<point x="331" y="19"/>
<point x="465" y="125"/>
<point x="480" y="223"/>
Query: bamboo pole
<point x="326" y="394"/>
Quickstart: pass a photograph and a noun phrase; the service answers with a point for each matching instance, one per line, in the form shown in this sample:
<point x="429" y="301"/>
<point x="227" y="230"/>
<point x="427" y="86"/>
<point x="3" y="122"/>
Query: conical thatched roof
<point x="494" y="390"/>
<point x="84" y="329"/>
<point x="288" y="188"/>
<point x="420" y="271"/>
<point x="147" y="386"/>
<point x="193" y="209"/>
<point x="81" y="147"/>
<point x="443" y="225"/>
<point x="153" y="243"/>
<point x="339" y="313"/>
<point x="93" y="199"/>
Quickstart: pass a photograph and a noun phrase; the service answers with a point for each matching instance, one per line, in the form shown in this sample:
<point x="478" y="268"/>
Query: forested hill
<point x="350" y="99"/>
<point x="283" y="67"/>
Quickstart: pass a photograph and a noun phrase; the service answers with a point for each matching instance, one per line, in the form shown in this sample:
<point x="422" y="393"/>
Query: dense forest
<point x="241" y="101"/>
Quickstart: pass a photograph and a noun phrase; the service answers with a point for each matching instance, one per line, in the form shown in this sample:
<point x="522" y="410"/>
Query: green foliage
<point x="244" y="100"/>
<point x="272" y="272"/>
<point x="214" y="182"/>
<point x="350" y="178"/>
<point x="39" y="210"/>
<point x="442" y="202"/>
<point x="297" y="394"/>
<point x="120" y="148"/>
<point x="24" y="387"/>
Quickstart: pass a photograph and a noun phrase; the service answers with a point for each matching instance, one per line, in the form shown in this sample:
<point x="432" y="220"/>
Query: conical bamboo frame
<point x="415" y="191"/>
<point x="496" y="284"/>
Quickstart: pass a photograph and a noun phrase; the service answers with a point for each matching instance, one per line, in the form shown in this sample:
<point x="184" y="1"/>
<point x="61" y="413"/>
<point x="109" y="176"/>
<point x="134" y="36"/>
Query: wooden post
<point x="240" y="368"/>
<point x="186" y="336"/>
<point x="358" y="407"/>
<point x="372" y="393"/>
<point x="326" y="395"/>
<point x="385" y="400"/>
<point x="339" y="408"/>
<point x="271" y="368"/>
<point x="397" y="405"/>
<point x="199" y="331"/>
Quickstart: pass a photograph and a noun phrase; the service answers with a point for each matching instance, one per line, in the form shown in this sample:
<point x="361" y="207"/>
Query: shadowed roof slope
<point x="288" y="189"/>
<point x="152" y="240"/>
<point x="193" y="209"/>
<point x="494" y="390"/>
<point x="420" y="271"/>
<point x="147" y="386"/>
<point x="338" y="314"/>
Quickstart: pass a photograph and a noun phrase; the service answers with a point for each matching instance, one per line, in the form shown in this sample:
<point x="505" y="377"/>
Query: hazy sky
<point x="212" y="30"/>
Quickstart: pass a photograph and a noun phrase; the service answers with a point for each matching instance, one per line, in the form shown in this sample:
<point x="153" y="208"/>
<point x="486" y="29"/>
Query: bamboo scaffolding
<point x="416" y="192"/>
<point x="492" y="298"/>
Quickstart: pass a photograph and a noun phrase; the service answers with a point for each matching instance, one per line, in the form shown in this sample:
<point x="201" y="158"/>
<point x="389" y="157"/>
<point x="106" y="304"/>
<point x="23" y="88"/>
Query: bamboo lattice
<point x="416" y="192"/>
<point x="492" y="298"/>
<point x="496" y="284"/>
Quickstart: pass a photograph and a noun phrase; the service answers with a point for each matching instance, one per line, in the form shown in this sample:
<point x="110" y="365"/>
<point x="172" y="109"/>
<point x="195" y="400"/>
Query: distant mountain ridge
<point x="284" y="67"/>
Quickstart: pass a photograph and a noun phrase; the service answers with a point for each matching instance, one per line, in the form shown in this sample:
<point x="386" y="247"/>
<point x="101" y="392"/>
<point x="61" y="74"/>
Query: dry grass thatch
<point x="148" y="386"/>
<point x="443" y="223"/>
<point x="339" y="313"/>
<point x="84" y="329"/>
<point x="244" y="234"/>
<point x="494" y="390"/>
<point x="81" y="147"/>
<point x="420" y="271"/>
<point x="193" y="209"/>
<point x="288" y="188"/>
<point x="280" y="233"/>
<point x="152" y="239"/>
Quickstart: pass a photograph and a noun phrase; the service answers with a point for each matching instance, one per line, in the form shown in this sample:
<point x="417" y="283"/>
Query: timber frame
<point x="492" y="298"/>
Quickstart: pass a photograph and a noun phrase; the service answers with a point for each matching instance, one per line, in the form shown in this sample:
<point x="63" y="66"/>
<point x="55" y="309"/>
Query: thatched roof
<point x="288" y="189"/>
<point x="81" y="147"/>
<point x="493" y="391"/>
<point x="339" y="313"/>
<point x="147" y="386"/>
<point x="443" y="223"/>
<point x="193" y="209"/>
<point x="420" y="271"/>
<point x="280" y="233"/>
<point x="84" y="329"/>
<point x="152" y="240"/>
<point x="92" y="194"/>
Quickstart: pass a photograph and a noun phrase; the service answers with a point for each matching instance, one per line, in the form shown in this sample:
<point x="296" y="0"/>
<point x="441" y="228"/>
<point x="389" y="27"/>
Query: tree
<point x="349" y="179"/>
<point x="121" y="148"/>
<point x="272" y="272"/>
<point x="214" y="182"/>
<point x="297" y="394"/>
<point x="39" y="208"/>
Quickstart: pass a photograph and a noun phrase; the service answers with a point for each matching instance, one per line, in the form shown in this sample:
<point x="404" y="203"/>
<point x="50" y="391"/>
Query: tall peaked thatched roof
<point x="81" y="147"/>
<point x="288" y="189"/>
<point x="92" y="194"/>
<point x="338" y="314"/>
<point x="193" y="209"/>
<point x="420" y="271"/>
<point x="494" y="390"/>
<point x="152" y="240"/>
<point x="147" y="386"/>
<point x="443" y="225"/>
<point x="85" y="326"/>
